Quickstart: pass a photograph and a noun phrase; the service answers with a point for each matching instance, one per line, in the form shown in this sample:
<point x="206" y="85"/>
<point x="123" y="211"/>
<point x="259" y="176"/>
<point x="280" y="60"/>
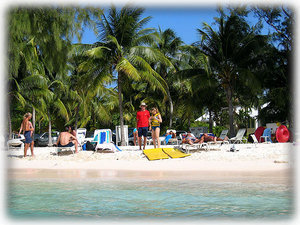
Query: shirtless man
<point x="64" y="140"/>
<point x="207" y="138"/>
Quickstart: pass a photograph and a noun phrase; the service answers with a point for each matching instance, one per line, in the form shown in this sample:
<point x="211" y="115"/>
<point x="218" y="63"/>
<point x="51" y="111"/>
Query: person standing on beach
<point x="142" y="124"/>
<point x="28" y="129"/>
<point x="155" y="121"/>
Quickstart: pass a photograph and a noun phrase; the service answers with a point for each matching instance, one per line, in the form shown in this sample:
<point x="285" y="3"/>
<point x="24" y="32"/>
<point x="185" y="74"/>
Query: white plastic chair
<point x="80" y="134"/>
<point x="222" y="136"/>
<point x="239" y="138"/>
<point x="171" y="140"/>
<point x="255" y="141"/>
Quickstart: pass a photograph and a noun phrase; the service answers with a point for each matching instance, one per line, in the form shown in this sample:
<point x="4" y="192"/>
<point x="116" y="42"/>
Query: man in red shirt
<point x="142" y="124"/>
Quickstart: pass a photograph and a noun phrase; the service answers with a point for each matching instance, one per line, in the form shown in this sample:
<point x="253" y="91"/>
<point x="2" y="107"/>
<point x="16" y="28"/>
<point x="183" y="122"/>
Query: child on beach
<point x="28" y="129"/>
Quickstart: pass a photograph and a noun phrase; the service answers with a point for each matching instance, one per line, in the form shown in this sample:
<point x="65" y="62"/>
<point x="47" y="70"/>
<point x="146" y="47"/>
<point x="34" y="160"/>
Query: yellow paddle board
<point x="155" y="154"/>
<point x="175" y="153"/>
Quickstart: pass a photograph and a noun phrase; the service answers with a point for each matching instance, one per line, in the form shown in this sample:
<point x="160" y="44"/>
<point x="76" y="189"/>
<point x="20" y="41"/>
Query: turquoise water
<point x="111" y="199"/>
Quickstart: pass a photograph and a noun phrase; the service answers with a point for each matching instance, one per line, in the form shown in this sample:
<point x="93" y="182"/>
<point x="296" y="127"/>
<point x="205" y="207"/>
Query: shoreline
<point x="283" y="176"/>
<point x="266" y="161"/>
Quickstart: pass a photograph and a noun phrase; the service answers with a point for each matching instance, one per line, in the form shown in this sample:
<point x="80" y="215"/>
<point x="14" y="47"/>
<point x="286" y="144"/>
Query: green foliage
<point x="66" y="83"/>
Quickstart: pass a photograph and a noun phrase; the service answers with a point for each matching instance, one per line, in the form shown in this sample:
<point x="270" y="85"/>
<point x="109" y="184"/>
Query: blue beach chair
<point x="266" y="136"/>
<point x="103" y="139"/>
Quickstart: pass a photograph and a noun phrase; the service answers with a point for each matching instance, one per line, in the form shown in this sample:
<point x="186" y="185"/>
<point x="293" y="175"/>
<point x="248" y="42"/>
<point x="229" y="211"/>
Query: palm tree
<point x="169" y="44"/>
<point x="231" y="50"/>
<point x="88" y="88"/>
<point x="122" y="48"/>
<point x="39" y="39"/>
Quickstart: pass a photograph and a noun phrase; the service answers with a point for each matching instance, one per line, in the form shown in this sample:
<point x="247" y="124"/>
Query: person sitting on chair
<point x="190" y="139"/>
<point x="170" y="135"/>
<point x="65" y="139"/>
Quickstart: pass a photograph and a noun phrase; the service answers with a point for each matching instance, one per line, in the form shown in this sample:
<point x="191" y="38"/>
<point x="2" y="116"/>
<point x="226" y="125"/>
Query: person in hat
<point x="142" y="124"/>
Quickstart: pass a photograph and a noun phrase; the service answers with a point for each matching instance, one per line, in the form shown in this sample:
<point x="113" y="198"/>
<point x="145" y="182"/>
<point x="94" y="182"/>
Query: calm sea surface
<point x="148" y="198"/>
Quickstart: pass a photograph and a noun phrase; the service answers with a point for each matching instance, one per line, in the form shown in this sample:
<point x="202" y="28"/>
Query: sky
<point x="184" y="21"/>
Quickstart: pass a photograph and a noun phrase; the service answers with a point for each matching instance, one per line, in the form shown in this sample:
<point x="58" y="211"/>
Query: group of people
<point x="65" y="139"/>
<point x="144" y="122"/>
<point x="191" y="139"/>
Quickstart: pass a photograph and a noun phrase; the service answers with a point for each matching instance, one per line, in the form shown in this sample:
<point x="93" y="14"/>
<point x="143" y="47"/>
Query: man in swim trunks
<point x="142" y="124"/>
<point x="65" y="139"/>
<point x="28" y="129"/>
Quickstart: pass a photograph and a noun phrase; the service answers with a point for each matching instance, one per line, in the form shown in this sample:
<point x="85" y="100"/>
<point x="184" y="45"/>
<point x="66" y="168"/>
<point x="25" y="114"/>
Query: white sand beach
<point x="276" y="159"/>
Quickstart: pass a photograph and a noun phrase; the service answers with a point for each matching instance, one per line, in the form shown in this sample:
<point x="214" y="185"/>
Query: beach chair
<point x="103" y="140"/>
<point x="255" y="141"/>
<point x="80" y="134"/>
<point x="239" y="138"/>
<point x="266" y="136"/>
<point x="222" y="136"/>
<point x="63" y="150"/>
<point x="171" y="140"/>
<point x="196" y="146"/>
<point x="198" y="131"/>
<point x="102" y="136"/>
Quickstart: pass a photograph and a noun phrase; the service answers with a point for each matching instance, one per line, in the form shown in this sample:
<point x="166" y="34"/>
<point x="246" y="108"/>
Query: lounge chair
<point x="80" y="134"/>
<point x="223" y="135"/>
<point x="103" y="139"/>
<point x="266" y="136"/>
<point x="171" y="140"/>
<point x="255" y="141"/>
<point x="198" y="131"/>
<point x="196" y="146"/>
<point x="239" y="138"/>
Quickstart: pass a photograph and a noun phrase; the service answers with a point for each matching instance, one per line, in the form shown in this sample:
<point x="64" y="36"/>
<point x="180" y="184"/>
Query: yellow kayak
<point x="175" y="153"/>
<point x="155" y="154"/>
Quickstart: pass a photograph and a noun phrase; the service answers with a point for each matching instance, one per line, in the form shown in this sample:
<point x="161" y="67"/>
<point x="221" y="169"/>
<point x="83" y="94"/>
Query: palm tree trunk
<point x="171" y="108"/>
<point x="49" y="130"/>
<point x="230" y="111"/>
<point x="258" y="113"/>
<point x="76" y="118"/>
<point x="9" y="124"/>
<point x="210" y="122"/>
<point x="121" y="110"/>
<point x="33" y="118"/>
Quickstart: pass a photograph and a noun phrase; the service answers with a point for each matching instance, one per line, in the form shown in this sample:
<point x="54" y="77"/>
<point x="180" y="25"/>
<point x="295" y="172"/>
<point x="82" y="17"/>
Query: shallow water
<point x="149" y="198"/>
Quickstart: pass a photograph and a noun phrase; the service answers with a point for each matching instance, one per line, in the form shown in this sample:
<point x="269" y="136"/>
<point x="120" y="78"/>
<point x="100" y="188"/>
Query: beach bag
<point x="90" y="146"/>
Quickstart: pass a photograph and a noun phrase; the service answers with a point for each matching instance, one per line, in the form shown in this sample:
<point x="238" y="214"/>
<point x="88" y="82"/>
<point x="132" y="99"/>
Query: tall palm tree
<point x="88" y="87"/>
<point x="231" y="50"/>
<point x="123" y="48"/>
<point x="169" y="44"/>
<point x="39" y="39"/>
